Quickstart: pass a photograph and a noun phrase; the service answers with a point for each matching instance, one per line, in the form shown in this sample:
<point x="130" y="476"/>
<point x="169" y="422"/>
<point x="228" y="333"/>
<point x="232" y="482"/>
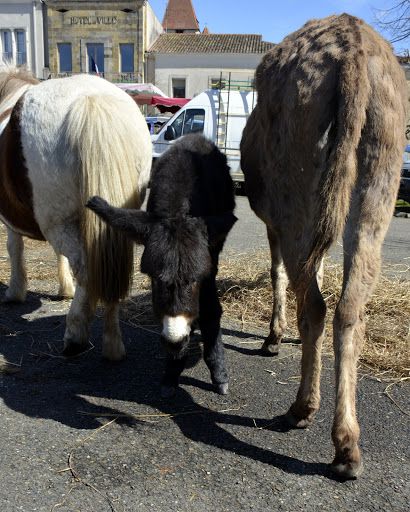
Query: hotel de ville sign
<point x="93" y="20"/>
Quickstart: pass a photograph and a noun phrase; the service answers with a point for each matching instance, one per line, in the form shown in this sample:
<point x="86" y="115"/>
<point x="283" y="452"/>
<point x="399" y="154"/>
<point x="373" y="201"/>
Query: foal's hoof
<point x="222" y="389"/>
<point x="168" y="391"/>
<point x="270" y="349"/>
<point x="74" y="349"/>
<point x="347" y="470"/>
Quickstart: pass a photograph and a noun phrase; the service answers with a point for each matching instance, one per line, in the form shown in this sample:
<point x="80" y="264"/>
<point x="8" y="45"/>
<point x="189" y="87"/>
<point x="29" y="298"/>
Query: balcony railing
<point x="111" y="77"/>
<point x="7" y="56"/>
<point x="21" y="58"/>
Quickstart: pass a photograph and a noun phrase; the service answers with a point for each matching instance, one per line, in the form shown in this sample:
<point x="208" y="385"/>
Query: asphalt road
<point x="86" y="435"/>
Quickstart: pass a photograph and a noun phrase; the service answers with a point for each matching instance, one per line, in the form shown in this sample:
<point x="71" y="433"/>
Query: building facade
<point x="22" y="34"/>
<point x="105" y="37"/>
<point x="183" y="62"/>
<point x="180" y="17"/>
<point x="184" y="65"/>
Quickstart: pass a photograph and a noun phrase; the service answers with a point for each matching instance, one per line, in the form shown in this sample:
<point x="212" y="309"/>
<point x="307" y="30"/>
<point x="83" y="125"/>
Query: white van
<point x="220" y="115"/>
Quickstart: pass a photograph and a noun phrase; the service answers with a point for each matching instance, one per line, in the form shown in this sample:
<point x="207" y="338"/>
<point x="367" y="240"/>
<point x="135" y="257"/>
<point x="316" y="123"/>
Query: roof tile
<point x="210" y="43"/>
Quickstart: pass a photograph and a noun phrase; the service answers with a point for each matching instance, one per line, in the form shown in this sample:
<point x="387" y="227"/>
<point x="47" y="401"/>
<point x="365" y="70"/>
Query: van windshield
<point x="191" y="120"/>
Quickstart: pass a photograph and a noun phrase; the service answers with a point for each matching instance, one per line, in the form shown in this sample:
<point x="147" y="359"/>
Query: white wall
<point x="27" y="16"/>
<point x="198" y="69"/>
<point x="153" y="26"/>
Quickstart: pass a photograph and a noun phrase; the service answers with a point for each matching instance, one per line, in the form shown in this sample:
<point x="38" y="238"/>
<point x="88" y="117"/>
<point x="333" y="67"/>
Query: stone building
<point x="106" y="37"/>
<point x="183" y="62"/>
<point x="22" y="34"/>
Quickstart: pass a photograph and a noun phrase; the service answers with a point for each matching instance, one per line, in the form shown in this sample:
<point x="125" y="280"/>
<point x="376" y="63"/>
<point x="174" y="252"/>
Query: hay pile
<point x="245" y="290"/>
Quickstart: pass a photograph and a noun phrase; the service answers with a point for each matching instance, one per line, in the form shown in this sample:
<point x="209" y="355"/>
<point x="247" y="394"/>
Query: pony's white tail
<point x="104" y="131"/>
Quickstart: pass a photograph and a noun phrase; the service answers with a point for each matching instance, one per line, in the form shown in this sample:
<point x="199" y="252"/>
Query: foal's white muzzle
<point x="176" y="328"/>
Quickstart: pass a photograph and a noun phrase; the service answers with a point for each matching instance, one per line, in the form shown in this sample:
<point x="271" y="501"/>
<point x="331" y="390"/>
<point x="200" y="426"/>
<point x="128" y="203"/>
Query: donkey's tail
<point x="103" y="130"/>
<point x="337" y="182"/>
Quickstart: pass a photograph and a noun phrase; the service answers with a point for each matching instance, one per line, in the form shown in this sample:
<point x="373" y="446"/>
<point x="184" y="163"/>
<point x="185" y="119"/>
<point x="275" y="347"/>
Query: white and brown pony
<point x="62" y="141"/>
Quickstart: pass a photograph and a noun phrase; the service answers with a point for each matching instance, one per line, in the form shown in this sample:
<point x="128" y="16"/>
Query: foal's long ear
<point x="219" y="226"/>
<point x="134" y="223"/>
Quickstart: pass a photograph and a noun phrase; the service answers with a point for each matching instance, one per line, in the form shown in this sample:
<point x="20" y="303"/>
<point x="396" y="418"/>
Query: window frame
<point x="59" y="46"/>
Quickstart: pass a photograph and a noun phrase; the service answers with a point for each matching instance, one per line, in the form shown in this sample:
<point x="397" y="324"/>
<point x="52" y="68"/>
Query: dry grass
<point x="245" y="289"/>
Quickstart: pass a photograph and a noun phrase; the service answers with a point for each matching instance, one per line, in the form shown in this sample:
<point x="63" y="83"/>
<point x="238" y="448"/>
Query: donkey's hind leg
<point x="362" y="249"/>
<point x="311" y="312"/>
<point x="279" y="285"/>
<point x="17" y="289"/>
<point x="66" y="284"/>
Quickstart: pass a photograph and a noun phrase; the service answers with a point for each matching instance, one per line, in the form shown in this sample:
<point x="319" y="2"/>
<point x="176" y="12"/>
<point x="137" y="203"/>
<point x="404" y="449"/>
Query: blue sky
<point x="275" y="19"/>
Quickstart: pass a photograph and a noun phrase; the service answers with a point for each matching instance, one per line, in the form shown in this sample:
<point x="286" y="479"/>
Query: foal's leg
<point x="174" y="366"/>
<point x="65" y="279"/>
<point x="17" y="290"/>
<point x="210" y="313"/>
<point x="311" y="323"/>
<point x="279" y="285"/>
<point x="113" y="347"/>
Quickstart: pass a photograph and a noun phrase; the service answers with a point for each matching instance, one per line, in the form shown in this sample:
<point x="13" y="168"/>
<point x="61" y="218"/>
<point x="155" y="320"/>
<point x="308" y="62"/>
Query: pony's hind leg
<point x="78" y="322"/>
<point x="311" y="312"/>
<point x="66" y="284"/>
<point x="279" y="285"/>
<point x="17" y="290"/>
<point x="113" y="347"/>
<point x="66" y="241"/>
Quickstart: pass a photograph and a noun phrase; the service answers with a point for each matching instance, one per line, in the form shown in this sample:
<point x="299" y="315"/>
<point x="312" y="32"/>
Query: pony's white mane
<point x="13" y="83"/>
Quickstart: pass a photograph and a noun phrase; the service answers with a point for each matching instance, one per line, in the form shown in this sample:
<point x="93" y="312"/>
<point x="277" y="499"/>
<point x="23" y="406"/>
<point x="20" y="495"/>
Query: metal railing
<point x="7" y="56"/>
<point x="21" y="58"/>
<point x="111" y="77"/>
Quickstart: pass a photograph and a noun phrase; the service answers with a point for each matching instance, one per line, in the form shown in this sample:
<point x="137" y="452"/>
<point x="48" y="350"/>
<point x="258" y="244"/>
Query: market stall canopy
<point x="162" y="103"/>
<point x="168" y="104"/>
<point x="141" y="89"/>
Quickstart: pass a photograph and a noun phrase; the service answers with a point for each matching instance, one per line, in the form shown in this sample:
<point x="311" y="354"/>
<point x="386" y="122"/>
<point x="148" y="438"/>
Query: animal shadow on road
<point x="70" y="391"/>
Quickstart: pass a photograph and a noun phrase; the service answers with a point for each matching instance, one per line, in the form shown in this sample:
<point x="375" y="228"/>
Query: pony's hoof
<point x="222" y="389"/>
<point x="66" y="293"/>
<point x="270" y="349"/>
<point x="74" y="349"/>
<point x="13" y="298"/>
<point x="347" y="470"/>
<point x="168" y="391"/>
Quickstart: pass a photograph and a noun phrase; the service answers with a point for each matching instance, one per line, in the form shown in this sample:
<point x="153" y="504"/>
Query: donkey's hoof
<point x="347" y="470"/>
<point x="222" y="389"/>
<point x="72" y="349"/>
<point x="168" y="391"/>
<point x="269" y="348"/>
<point x="296" y="420"/>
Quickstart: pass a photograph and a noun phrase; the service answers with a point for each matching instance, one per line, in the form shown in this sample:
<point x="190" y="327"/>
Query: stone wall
<point x="110" y="23"/>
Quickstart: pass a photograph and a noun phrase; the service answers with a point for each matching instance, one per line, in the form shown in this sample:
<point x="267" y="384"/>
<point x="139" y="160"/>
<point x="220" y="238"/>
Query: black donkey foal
<point x="189" y="214"/>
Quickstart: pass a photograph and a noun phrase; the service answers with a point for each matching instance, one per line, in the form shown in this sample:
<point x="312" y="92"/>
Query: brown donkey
<point x="321" y="154"/>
